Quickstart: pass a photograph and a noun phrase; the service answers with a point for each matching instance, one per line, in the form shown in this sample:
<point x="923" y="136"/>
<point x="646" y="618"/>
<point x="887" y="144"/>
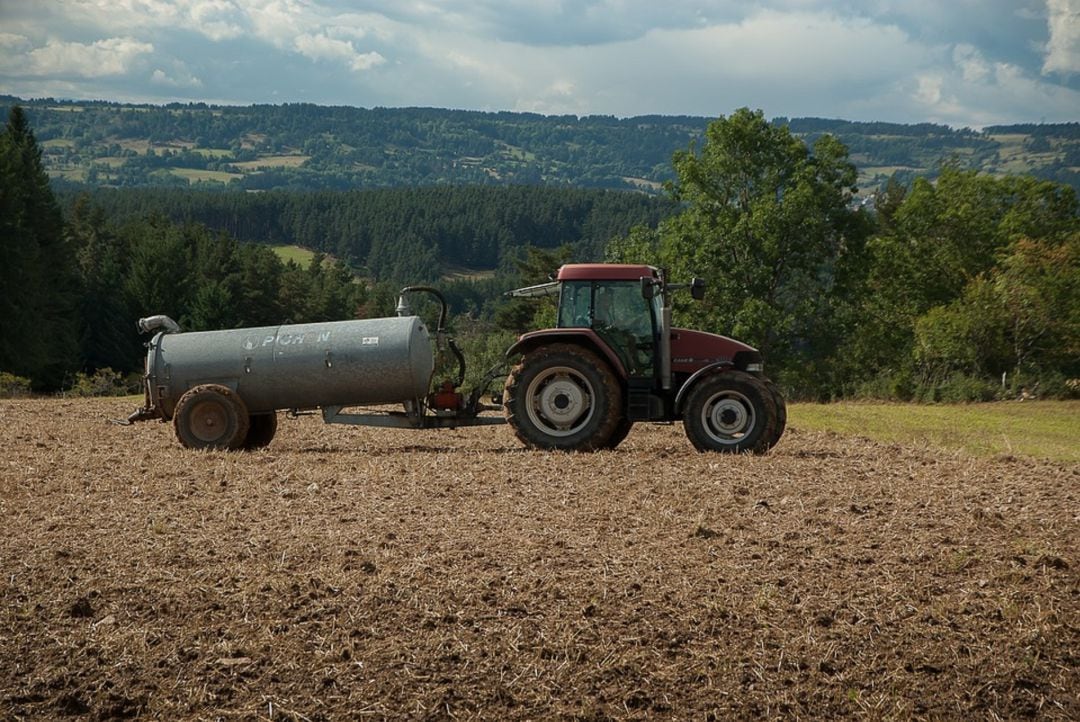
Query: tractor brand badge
<point x="369" y="341"/>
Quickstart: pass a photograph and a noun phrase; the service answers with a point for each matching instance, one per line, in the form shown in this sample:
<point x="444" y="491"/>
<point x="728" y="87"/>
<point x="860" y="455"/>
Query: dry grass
<point x="193" y="175"/>
<point x="347" y="572"/>
<point x="273" y="161"/>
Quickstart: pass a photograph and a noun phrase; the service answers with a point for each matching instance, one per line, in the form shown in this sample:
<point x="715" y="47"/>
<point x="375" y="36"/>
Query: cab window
<point x="618" y="313"/>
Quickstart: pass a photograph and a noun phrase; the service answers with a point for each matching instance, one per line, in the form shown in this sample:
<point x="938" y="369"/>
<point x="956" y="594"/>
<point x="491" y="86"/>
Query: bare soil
<point x="345" y="572"/>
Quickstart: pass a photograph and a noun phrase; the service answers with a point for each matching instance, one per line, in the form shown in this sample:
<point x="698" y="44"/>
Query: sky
<point x="963" y="63"/>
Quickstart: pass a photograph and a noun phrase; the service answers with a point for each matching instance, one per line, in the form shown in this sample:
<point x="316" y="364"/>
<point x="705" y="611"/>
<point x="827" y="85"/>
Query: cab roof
<point x="605" y="272"/>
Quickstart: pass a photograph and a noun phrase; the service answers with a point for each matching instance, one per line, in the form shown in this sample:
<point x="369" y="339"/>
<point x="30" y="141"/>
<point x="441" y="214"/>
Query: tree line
<point x="402" y="234"/>
<point x="965" y="288"/>
<point x="962" y="288"/>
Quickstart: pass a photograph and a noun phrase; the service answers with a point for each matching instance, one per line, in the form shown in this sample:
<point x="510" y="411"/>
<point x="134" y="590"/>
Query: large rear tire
<point x="563" y="397"/>
<point x="620" y="433"/>
<point x="211" y="416"/>
<point x="730" y="412"/>
<point x="262" y="428"/>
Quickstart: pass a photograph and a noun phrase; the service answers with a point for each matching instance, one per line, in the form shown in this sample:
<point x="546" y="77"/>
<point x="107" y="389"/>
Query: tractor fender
<point x="714" y="368"/>
<point x="582" y="336"/>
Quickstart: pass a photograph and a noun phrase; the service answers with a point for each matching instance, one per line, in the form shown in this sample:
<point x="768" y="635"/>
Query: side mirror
<point x="697" y="288"/>
<point x="648" y="289"/>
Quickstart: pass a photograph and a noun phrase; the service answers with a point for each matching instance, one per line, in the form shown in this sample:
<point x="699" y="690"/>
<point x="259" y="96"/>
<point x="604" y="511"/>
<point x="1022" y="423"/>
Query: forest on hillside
<point x="311" y="147"/>
<point x="401" y="234"/>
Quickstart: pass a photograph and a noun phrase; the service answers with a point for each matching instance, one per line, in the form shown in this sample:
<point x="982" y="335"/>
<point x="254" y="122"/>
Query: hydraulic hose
<point x="440" y="330"/>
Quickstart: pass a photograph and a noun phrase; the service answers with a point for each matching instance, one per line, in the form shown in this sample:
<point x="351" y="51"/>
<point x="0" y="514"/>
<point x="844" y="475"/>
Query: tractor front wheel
<point x="563" y="397"/>
<point x="211" y="416"/>
<point x="730" y="412"/>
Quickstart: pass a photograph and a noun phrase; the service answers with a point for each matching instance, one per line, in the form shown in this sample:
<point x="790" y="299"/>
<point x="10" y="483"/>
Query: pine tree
<point x="38" y="282"/>
<point x="109" y="338"/>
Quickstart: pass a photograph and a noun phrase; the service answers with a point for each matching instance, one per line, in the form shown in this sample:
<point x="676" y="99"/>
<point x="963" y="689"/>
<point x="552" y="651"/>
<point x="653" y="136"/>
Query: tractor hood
<point x="693" y="350"/>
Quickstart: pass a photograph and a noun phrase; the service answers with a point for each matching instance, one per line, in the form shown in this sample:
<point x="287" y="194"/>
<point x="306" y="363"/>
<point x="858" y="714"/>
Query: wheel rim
<point x="208" y="421"/>
<point x="728" y="417"/>
<point x="559" y="401"/>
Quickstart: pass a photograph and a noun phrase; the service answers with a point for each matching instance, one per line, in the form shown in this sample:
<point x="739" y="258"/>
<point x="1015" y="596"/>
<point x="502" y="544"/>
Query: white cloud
<point x="178" y="79"/>
<point x="976" y="92"/>
<point x="112" y="56"/>
<point x="1063" y="49"/>
<point x="321" y="47"/>
<point x="928" y="89"/>
<point x="969" y="60"/>
<point x="12" y="43"/>
<point x="216" y="19"/>
<point x="278" y="21"/>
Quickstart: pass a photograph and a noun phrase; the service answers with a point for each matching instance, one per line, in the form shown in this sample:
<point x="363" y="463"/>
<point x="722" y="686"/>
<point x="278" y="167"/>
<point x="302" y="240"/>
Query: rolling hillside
<point x="309" y="147"/>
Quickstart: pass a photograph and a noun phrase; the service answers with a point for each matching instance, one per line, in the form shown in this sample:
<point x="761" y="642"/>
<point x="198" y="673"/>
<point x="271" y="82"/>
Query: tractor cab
<point x="616" y="310"/>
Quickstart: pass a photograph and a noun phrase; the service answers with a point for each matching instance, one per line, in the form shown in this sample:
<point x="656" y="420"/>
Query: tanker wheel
<point x="781" y="412"/>
<point x="621" y="430"/>
<point x="211" y="417"/>
<point x="563" y="397"/>
<point x="730" y="412"/>
<point x="262" y="428"/>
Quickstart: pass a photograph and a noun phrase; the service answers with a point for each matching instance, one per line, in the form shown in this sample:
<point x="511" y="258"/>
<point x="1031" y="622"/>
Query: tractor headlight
<point x="755" y="368"/>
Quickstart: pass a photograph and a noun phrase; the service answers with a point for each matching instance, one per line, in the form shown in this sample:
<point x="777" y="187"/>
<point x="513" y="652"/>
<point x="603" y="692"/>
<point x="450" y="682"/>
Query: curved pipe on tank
<point x="152" y="323"/>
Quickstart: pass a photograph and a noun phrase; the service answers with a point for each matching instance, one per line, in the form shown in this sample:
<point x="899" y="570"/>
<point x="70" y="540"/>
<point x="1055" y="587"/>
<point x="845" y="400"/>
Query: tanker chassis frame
<point x="613" y="359"/>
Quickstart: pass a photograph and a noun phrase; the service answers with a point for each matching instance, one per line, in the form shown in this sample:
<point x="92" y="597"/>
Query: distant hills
<point x="310" y="147"/>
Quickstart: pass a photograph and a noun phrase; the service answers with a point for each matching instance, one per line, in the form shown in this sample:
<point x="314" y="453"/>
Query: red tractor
<point x="613" y="359"/>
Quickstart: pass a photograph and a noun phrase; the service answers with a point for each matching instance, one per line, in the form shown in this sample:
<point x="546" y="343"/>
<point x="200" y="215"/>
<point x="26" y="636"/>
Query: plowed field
<point x="346" y="572"/>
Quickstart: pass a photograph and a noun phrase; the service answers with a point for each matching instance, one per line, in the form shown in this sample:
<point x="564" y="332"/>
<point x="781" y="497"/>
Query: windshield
<point x="618" y="313"/>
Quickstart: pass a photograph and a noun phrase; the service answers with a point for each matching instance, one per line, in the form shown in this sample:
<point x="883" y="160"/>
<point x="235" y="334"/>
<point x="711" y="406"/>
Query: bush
<point x="888" y="386"/>
<point x="104" y="382"/>
<point x="962" y="388"/>
<point x="13" y="387"/>
<point x="1043" y="385"/>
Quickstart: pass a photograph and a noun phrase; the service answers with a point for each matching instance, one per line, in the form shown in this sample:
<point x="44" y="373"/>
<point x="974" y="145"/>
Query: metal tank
<point x="300" y="366"/>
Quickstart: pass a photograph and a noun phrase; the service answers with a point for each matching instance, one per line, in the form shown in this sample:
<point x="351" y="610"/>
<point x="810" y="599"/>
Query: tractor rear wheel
<point x="211" y="416"/>
<point x="563" y="397"/>
<point x="617" y="436"/>
<point x="730" y="412"/>
<point x="262" y="428"/>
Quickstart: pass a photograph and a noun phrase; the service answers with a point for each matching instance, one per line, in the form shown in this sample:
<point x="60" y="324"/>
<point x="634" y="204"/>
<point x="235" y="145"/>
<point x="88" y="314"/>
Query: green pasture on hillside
<point x="1043" y="429"/>
<point x="302" y="256"/>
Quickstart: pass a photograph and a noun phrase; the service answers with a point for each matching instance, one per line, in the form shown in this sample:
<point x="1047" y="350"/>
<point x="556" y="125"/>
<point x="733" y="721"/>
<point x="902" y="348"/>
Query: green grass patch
<point x="463" y="273"/>
<point x="1042" y="429"/>
<point x="302" y="256"/>
<point x="212" y="152"/>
